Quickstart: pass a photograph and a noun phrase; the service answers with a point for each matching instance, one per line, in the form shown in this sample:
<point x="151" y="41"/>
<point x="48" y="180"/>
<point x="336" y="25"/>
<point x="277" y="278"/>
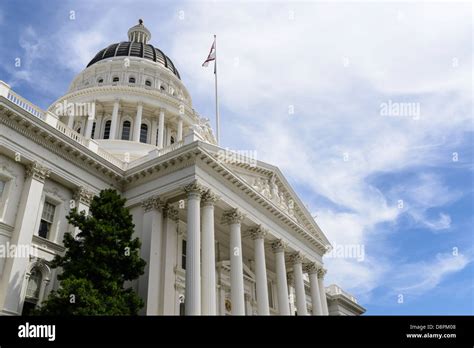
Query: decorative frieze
<point x="257" y="232"/>
<point x="232" y="216"/>
<point x="279" y="245"/>
<point x="37" y="171"/>
<point x="153" y="202"/>
<point x="82" y="195"/>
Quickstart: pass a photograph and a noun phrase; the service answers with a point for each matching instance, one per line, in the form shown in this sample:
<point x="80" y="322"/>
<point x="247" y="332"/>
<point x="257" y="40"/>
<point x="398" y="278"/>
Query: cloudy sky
<point x="366" y="107"/>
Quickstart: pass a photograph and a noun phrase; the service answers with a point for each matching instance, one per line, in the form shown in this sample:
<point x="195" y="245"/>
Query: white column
<point x="258" y="236"/>
<point x="15" y="267"/>
<point x="98" y="127"/>
<point x="70" y="121"/>
<point x="150" y="281"/>
<point x="154" y="127"/>
<point x="137" y="123"/>
<point x="169" y="252"/>
<point x="114" y="122"/>
<point x="90" y="122"/>
<point x="312" y="270"/>
<point x="233" y="218"/>
<point x="180" y="128"/>
<point x="161" y="129"/>
<point x="297" y="261"/>
<point x="208" y="270"/>
<point x="193" y="250"/>
<point x="278" y="248"/>
<point x="322" y="291"/>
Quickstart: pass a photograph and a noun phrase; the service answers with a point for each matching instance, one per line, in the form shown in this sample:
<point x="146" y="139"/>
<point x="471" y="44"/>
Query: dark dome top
<point x="135" y="49"/>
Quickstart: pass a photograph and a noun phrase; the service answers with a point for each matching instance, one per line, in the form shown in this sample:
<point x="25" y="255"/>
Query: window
<point x="126" y="130"/>
<point x="162" y="88"/>
<point x="270" y="295"/>
<point x="93" y="130"/>
<point x="107" y="129"/>
<point x="2" y="186"/>
<point x="172" y="140"/>
<point x="79" y="130"/>
<point x="115" y="79"/>
<point x="183" y="254"/>
<point x="32" y="291"/>
<point x="100" y="81"/>
<point x="131" y="80"/>
<point x="143" y="133"/>
<point x="47" y="219"/>
<point x="148" y="83"/>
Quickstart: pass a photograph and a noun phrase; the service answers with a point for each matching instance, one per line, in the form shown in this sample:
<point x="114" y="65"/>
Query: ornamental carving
<point x="257" y="232"/>
<point x="194" y="188"/>
<point x="321" y="273"/>
<point x="171" y="212"/>
<point x="82" y="195"/>
<point x="209" y="198"/>
<point x="311" y="268"/>
<point x="151" y="203"/>
<point x="232" y="216"/>
<point x="37" y="171"/>
<point x="270" y="189"/>
<point x="279" y="246"/>
<point x="296" y="257"/>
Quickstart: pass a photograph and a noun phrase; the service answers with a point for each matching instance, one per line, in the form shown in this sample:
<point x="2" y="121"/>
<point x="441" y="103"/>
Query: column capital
<point x="171" y="212"/>
<point x="232" y="216"/>
<point x="296" y="257"/>
<point x="37" y="171"/>
<point x="311" y="268"/>
<point x="82" y="195"/>
<point x="257" y="232"/>
<point x="322" y="272"/>
<point x="153" y="202"/>
<point x="194" y="188"/>
<point x="279" y="245"/>
<point x="209" y="198"/>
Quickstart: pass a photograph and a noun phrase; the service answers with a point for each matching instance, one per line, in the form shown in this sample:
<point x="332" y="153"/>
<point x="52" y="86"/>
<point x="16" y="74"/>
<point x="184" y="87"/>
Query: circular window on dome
<point x="148" y="83"/>
<point x="131" y="80"/>
<point x="115" y="79"/>
<point x="100" y="80"/>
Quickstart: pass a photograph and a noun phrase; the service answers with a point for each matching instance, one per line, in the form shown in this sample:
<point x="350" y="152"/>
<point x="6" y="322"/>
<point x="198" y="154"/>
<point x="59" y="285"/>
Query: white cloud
<point x="419" y="277"/>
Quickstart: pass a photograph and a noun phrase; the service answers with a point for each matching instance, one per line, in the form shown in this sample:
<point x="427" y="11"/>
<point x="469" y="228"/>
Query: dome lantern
<point x="139" y="33"/>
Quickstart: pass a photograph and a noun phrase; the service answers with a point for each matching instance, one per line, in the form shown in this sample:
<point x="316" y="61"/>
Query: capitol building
<point x="222" y="233"/>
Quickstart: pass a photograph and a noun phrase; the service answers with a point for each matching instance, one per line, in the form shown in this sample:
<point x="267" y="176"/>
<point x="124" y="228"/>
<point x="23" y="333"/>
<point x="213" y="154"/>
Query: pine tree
<point x="98" y="262"/>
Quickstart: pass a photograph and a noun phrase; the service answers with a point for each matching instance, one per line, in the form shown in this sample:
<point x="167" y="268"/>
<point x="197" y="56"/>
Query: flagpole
<point x="215" y="84"/>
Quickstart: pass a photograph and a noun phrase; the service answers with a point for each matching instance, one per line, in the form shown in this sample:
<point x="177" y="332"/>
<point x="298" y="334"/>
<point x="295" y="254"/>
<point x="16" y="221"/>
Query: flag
<point x="212" y="54"/>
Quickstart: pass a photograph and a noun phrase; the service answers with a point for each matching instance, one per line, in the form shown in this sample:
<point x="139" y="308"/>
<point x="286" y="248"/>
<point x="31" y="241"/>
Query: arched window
<point x="162" y="88"/>
<point x="107" y="129"/>
<point x="100" y="81"/>
<point x="126" y="130"/>
<point x="115" y="79"/>
<point x="32" y="291"/>
<point x="34" y="284"/>
<point x="131" y="80"/>
<point x="93" y="130"/>
<point x="148" y="83"/>
<point x="143" y="133"/>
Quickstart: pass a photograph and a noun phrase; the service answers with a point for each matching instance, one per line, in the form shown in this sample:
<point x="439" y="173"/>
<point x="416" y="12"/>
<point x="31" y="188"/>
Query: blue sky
<point x="390" y="183"/>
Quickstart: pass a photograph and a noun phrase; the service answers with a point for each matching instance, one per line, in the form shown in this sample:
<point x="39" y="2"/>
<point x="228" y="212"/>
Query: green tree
<point x="98" y="262"/>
